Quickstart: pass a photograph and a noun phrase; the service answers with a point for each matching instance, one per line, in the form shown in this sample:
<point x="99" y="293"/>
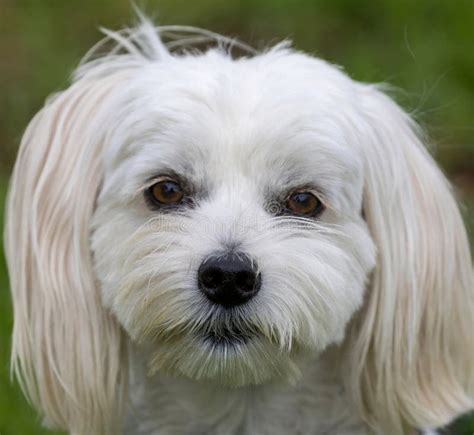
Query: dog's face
<point x="228" y="236"/>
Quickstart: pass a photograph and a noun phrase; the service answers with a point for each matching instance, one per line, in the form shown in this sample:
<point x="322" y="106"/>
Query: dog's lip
<point x="229" y="336"/>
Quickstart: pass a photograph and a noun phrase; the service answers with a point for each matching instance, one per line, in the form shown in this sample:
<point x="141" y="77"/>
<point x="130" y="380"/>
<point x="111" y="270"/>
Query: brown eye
<point x="166" y="192"/>
<point x="304" y="203"/>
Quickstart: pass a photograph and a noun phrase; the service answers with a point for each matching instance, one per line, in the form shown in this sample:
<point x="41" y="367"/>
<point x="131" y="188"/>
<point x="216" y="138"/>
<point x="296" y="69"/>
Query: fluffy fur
<point x="365" y="317"/>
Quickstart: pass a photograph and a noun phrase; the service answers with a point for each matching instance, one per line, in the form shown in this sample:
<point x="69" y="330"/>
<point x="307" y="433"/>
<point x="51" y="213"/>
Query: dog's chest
<point x="172" y="406"/>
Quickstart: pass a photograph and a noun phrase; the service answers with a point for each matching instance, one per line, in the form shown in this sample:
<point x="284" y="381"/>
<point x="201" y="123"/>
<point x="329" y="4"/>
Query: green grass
<point x="422" y="46"/>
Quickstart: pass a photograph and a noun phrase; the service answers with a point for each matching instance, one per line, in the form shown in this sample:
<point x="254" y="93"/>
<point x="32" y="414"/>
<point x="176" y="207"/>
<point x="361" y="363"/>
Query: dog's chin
<point x="227" y="358"/>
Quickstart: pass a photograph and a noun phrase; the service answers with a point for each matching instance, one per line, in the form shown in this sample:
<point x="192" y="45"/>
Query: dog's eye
<point x="166" y="192"/>
<point x="304" y="203"/>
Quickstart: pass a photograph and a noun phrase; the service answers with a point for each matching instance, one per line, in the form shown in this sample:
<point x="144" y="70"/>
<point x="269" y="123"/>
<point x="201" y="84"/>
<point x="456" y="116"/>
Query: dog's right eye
<point x="166" y="192"/>
<point x="305" y="203"/>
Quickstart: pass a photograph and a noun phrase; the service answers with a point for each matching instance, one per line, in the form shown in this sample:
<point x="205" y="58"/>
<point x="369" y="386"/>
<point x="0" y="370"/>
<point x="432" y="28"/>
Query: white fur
<point x="365" y="317"/>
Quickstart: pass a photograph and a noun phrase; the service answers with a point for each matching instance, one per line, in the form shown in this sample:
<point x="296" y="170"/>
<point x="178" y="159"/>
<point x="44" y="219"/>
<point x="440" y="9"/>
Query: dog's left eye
<point x="166" y="192"/>
<point x="305" y="203"/>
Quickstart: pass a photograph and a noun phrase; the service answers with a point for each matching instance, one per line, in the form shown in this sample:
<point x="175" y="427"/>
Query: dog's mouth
<point x="230" y="353"/>
<point x="229" y="336"/>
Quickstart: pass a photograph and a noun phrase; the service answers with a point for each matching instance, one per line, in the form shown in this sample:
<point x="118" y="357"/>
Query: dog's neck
<point x="317" y="404"/>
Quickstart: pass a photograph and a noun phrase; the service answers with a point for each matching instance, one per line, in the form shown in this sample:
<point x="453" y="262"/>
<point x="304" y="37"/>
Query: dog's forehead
<point x="277" y="118"/>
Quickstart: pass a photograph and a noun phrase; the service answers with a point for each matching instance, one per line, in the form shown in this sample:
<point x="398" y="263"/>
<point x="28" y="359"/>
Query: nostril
<point x="245" y="280"/>
<point x="212" y="277"/>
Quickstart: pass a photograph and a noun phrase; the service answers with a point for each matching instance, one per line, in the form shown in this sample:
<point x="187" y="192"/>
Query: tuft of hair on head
<point x="146" y="42"/>
<point x="412" y="348"/>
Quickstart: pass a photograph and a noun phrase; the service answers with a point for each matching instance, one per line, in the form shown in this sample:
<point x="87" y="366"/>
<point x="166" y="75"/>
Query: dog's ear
<point x="412" y="349"/>
<point x="68" y="352"/>
<point x="66" y="348"/>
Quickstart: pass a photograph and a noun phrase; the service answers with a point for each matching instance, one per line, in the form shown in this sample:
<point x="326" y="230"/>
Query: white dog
<point x="205" y="245"/>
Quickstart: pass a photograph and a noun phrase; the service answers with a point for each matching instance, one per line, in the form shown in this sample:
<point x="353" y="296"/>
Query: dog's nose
<point x="229" y="280"/>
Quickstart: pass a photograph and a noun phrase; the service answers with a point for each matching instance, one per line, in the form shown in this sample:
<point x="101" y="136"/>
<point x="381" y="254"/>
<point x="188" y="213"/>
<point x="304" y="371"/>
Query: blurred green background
<point x="422" y="47"/>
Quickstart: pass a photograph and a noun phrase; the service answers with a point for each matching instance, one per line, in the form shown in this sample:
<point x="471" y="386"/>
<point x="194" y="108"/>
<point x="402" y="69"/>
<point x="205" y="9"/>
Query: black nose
<point x="229" y="280"/>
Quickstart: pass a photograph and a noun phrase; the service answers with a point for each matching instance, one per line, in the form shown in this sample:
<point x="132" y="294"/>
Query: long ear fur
<point x="66" y="348"/>
<point x="412" y="351"/>
<point x="68" y="352"/>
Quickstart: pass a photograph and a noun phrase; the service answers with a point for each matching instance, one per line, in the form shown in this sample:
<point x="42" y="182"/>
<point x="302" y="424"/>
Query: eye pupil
<point x="302" y="198"/>
<point x="304" y="203"/>
<point x="167" y="192"/>
<point x="169" y="188"/>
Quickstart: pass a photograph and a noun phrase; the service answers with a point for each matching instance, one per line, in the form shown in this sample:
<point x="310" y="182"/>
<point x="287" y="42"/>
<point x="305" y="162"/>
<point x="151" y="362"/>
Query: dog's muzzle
<point x="229" y="280"/>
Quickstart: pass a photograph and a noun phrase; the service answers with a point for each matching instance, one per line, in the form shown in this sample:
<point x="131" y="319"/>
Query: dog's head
<point x="230" y="217"/>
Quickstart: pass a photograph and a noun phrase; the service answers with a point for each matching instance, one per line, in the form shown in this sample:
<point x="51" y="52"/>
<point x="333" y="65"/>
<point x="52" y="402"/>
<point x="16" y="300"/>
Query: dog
<point x="203" y="243"/>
